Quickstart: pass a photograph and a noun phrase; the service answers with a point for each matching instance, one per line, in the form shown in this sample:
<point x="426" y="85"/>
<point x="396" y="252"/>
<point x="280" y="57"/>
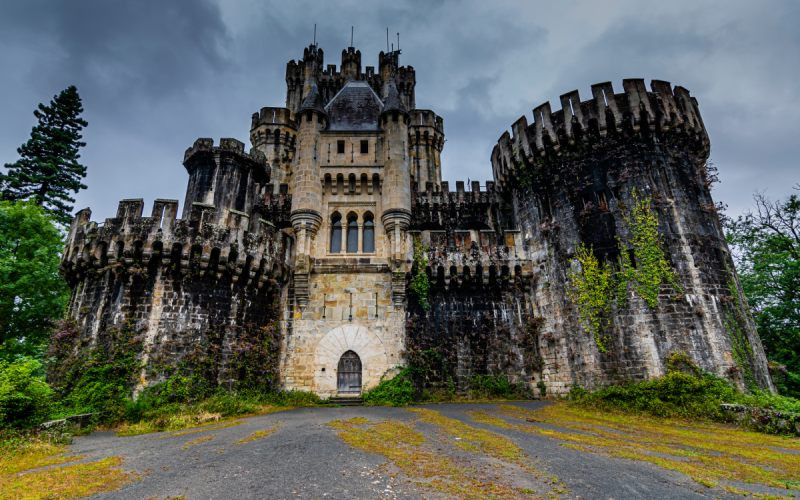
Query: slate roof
<point x="355" y="107"/>
<point x="393" y="102"/>
<point x="313" y="101"/>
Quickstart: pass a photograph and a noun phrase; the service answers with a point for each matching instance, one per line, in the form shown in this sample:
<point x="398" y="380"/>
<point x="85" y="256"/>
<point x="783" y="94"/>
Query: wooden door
<point x="349" y="373"/>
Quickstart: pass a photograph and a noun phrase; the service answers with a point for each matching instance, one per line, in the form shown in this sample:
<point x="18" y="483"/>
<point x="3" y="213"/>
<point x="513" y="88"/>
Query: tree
<point x="48" y="169"/>
<point x="766" y="247"/>
<point x="32" y="293"/>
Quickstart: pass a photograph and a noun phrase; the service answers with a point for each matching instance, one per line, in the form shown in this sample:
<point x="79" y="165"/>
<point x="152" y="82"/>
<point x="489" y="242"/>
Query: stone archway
<point x="361" y="341"/>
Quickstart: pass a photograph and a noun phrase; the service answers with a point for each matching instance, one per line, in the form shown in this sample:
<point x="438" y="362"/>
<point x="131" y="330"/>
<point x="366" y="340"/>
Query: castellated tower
<point x="292" y="263"/>
<point x="571" y="177"/>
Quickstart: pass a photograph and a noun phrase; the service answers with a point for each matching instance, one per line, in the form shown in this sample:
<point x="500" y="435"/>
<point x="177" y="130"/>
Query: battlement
<point x="248" y="249"/>
<point x="426" y="118"/>
<point x="462" y="257"/>
<point x="273" y="116"/>
<point x="662" y="110"/>
<point x="205" y="145"/>
<point x="459" y="209"/>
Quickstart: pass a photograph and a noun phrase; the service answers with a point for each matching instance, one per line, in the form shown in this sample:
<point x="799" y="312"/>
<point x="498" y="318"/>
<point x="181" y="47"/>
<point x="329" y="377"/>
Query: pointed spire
<point x="393" y="101"/>
<point x="313" y="101"/>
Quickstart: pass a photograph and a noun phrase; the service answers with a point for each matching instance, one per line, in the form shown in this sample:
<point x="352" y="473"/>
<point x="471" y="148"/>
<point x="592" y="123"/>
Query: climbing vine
<point x="592" y="291"/>
<point x="420" y="284"/>
<point x="652" y="268"/>
<point x="595" y="286"/>
<point x="741" y="350"/>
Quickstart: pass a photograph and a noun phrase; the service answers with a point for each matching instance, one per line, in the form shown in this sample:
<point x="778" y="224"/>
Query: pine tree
<point x="48" y="169"/>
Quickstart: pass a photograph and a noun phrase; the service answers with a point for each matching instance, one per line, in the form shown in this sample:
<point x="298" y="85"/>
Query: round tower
<point x="397" y="184"/>
<point x="426" y="136"/>
<point x="273" y="131"/>
<point x="576" y="176"/>
<point x="307" y="189"/>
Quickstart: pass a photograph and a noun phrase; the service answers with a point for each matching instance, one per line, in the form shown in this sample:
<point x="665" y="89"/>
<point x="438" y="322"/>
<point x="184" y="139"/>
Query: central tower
<point x="343" y="147"/>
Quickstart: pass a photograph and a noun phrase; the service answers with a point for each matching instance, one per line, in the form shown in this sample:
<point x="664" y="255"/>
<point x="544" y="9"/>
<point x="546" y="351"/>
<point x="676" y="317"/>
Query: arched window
<point x="336" y="233"/>
<point x="368" y="240"/>
<point x="352" y="233"/>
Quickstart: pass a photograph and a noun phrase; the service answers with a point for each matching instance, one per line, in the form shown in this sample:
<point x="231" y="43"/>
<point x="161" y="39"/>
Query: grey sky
<point x="155" y="75"/>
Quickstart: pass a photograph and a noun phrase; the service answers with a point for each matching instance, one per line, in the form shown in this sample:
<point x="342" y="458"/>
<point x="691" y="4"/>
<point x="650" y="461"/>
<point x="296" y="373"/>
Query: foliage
<point x="396" y="391"/>
<point x="685" y="391"/>
<point x="102" y="382"/>
<point x="25" y="398"/>
<point x="595" y="287"/>
<point x="256" y="356"/>
<point x="496" y="386"/>
<point x="32" y="293"/>
<point x="741" y="350"/>
<point x="420" y="283"/>
<point x="766" y="248"/>
<point x="591" y="289"/>
<point x="651" y="267"/>
<point x="48" y="169"/>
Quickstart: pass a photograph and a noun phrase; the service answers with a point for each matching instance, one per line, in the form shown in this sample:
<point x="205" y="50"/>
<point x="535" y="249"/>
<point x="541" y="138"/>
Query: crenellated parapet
<point x="443" y="209"/>
<point x="249" y="250"/>
<point x="635" y="113"/>
<point x="475" y="257"/>
<point x="223" y="177"/>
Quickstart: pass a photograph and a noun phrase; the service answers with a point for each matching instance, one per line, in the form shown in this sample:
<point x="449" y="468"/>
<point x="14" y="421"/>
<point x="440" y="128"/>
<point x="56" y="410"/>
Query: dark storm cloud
<point x="155" y="75"/>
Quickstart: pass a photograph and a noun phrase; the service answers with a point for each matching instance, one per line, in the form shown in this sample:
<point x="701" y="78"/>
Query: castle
<point x="292" y="264"/>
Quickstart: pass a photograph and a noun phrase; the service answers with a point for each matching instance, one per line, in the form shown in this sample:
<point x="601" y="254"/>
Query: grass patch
<point x="196" y="441"/>
<point x="36" y="469"/>
<point x="709" y="453"/>
<point x="191" y="416"/>
<point x="427" y="463"/>
<point x="255" y="436"/>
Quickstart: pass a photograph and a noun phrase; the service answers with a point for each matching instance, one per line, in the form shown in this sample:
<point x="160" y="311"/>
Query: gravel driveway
<point x="303" y="456"/>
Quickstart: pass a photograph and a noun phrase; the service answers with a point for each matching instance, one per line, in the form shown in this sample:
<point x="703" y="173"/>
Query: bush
<point x="496" y="386"/>
<point x="25" y="398"/>
<point x="396" y="391"/>
<point x="685" y="391"/>
<point x="676" y="394"/>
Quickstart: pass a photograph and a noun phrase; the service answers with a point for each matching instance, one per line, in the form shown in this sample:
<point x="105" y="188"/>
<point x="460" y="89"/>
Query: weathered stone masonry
<point x="294" y="257"/>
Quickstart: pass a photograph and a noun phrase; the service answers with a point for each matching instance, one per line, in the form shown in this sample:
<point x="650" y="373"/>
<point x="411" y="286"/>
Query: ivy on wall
<point x="420" y="283"/>
<point x="594" y="287"/>
<point x="591" y="290"/>
<point x="652" y="268"/>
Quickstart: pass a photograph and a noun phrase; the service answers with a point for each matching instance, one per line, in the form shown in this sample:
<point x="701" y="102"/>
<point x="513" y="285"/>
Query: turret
<point x="223" y="178"/>
<point x="426" y="136"/>
<point x="351" y="64"/>
<point x="387" y="67"/>
<point x="273" y="131"/>
<point x="307" y="190"/>
<point x="397" y="184"/>
<point x="302" y="75"/>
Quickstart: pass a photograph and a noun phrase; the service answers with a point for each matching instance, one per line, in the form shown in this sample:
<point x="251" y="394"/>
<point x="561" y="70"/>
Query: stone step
<point x="346" y="400"/>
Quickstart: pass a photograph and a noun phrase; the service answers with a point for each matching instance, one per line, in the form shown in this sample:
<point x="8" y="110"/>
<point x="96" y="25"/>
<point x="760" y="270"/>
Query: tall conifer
<point x="48" y="170"/>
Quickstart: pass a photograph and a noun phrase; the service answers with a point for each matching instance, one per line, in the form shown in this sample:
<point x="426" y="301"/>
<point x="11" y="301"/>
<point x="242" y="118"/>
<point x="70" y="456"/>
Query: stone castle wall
<point x="193" y="292"/>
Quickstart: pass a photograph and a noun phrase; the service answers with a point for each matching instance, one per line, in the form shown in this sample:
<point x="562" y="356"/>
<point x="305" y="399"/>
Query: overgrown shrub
<point x="685" y="391"/>
<point x="396" y="391"/>
<point x="25" y="398"/>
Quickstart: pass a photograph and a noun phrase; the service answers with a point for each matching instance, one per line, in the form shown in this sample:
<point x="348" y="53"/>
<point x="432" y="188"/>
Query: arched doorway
<point x="348" y="374"/>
